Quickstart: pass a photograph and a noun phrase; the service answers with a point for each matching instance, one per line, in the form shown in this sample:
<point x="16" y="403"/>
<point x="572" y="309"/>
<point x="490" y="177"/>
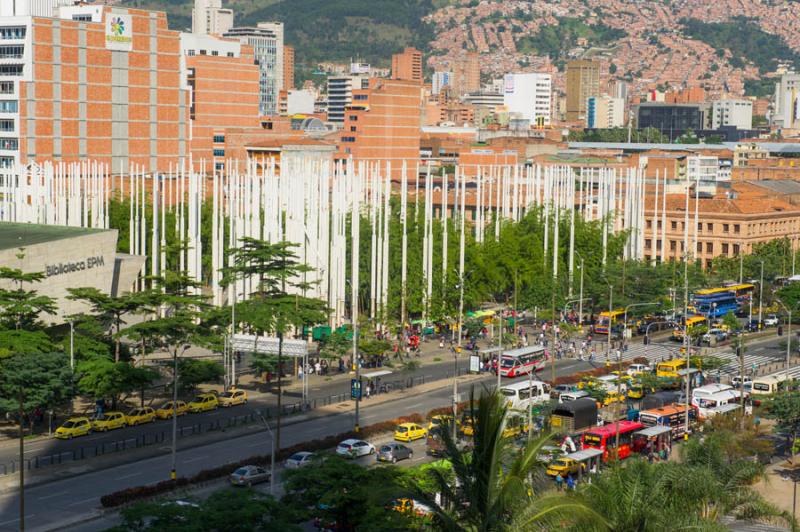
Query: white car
<point x="748" y="381"/>
<point x="355" y="448"/>
<point x="771" y="320"/>
<point x="298" y="460"/>
<point x="636" y="369"/>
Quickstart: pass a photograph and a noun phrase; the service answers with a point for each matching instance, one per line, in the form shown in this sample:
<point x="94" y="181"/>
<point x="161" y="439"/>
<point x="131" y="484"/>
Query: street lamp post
<point x="788" y="336"/>
<point x="271" y="454"/>
<point x="580" y="294"/>
<point x="625" y="318"/>
<point x="610" y="311"/>
<point x="760" y="295"/>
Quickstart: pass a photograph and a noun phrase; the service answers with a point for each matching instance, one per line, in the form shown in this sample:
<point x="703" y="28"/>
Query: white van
<point x="520" y="395"/>
<point x="708" y="390"/>
<point x="572" y="396"/>
<point x="711" y="405"/>
<point x="609" y="382"/>
<point x="767" y="385"/>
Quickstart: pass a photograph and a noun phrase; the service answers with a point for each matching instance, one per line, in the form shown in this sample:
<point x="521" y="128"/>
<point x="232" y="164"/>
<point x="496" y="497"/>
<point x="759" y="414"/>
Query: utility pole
<point x="21" y="459"/>
<point x="610" y="312"/>
<point x="173" y="472"/>
<point x="760" y="295"/>
<point x="580" y="296"/>
<point x="686" y="336"/>
<point x="740" y="353"/>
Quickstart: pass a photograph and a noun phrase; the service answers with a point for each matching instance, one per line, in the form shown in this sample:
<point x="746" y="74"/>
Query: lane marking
<point x="84" y="501"/>
<point x="15" y="520"/>
<point x="52" y="495"/>
<point x="195" y="459"/>
<point x="129" y="476"/>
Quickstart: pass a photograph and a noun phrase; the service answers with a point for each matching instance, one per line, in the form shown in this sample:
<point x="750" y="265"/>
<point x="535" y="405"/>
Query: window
<point x="6" y="162"/>
<point x="11" y="51"/>
<point x="12" y="33"/>
<point x="658" y="244"/>
<point x="647" y="243"/>
<point x="9" y="144"/>
<point x="214" y="52"/>
<point x="709" y="227"/>
<point x="724" y="248"/>
<point x="352" y="129"/>
<point x="699" y="247"/>
<point x="6" y="125"/>
<point x="348" y="139"/>
<point x="8" y="106"/>
<point x="202" y="52"/>
<point x="709" y="264"/>
<point x="649" y="224"/>
<point x="266" y="125"/>
<point x="699" y="227"/>
<point x="353" y="118"/>
<point x="219" y="139"/>
<point x="219" y="166"/>
<point x="360" y="97"/>
<point x="659" y="224"/>
<point x="190" y="52"/>
<point x="709" y="247"/>
<point x="6" y="87"/>
<point x="736" y="228"/>
<point x="672" y="245"/>
<point x="725" y="228"/>
<point x="10" y="70"/>
<point x="82" y="18"/>
<point x="736" y="249"/>
<point x="674" y="225"/>
<point x="230" y="54"/>
<point x="219" y="153"/>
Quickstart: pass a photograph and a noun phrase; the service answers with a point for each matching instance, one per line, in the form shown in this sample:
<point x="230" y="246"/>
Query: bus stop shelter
<point x="375" y="376"/>
<point x="653" y="439"/>
<point x="591" y="458"/>
<point x="490" y="353"/>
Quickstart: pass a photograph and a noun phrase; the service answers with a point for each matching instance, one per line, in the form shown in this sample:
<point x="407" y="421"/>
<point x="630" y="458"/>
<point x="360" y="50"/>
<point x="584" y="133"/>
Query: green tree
<point x="101" y="378"/>
<point x="45" y="380"/>
<point x="493" y="489"/>
<point x="22" y="341"/>
<point x="785" y="407"/>
<point x="20" y="308"/>
<point x="335" y="346"/>
<point x="731" y="322"/>
<point x="278" y="304"/>
<point x="194" y="372"/>
<point x="109" y="311"/>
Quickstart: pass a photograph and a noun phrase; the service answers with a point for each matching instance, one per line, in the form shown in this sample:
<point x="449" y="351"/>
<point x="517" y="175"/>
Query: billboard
<point x="119" y="32"/>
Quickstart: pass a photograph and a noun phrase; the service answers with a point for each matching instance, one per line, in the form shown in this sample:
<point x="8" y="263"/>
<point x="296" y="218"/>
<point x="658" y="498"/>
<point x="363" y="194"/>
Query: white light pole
<point x="580" y="295"/>
<point x="760" y="295"/>
<point x="788" y="336"/>
<point x="271" y="454"/>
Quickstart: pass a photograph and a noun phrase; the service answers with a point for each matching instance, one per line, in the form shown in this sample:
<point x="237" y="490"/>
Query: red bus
<point x="522" y="361"/>
<point x="605" y="438"/>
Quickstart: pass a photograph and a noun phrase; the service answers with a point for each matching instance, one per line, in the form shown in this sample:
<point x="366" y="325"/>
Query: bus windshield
<point x="592" y="439"/>
<point x="506" y="362"/>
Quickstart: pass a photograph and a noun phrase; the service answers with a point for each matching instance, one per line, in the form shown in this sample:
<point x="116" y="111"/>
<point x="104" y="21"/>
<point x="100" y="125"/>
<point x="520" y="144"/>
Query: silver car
<point x="392" y="452"/>
<point x="298" y="460"/>
<point x="353" y="448"/>
<point x="249" y="475"/>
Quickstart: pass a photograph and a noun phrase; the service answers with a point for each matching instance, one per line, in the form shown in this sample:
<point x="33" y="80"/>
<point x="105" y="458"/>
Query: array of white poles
<point x="309" y="201"/>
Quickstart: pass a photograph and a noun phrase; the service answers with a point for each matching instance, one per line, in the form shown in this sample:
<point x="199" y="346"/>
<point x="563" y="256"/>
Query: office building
<point x="485" y="99"/>
<point x="787" y="111"/>
<point x="466" y="74"/>
<point x="440" y="80"/>
<point x="583" y="82"/>
<point x="673" y="119"/>
<point x="340" y="94"/>
<point x="407" y="65"/>
<point x="603" y="112"/>
<point x="528" y="96"/>
<point x="734" y="113"/>
<point x="288" y="67"/>
<point x="267" y="42"/>
<point x="383" y="123"/>
<point x="209" y="18"/>
<point x="81" y="86"/>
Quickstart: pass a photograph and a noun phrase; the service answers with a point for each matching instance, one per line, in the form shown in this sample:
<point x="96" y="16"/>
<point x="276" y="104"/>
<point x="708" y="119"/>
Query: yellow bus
<point x="744" y="289"/>
<point x="691" y="321"/>
<point x="603" y="324"/>
<point x="670" y="368"/>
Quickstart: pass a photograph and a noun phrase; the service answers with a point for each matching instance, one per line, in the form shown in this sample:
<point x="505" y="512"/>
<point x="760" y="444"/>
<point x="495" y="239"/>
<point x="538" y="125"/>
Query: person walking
<point x="570" y="482"/>
<point x="559" y="482"/>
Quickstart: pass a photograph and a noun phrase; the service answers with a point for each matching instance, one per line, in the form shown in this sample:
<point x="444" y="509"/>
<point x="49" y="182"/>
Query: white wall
<point x="528" y="95"/>
<point x="300" y="102"/>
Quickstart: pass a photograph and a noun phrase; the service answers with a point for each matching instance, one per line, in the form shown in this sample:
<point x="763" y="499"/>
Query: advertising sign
<point x="119" y="32"/>
<point x="355" y="389"/>
<point x="474" y="364"/>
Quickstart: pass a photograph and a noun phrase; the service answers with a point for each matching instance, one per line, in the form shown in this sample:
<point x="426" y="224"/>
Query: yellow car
<point x="409" y="432"/>
<point x="564" y="466"/>
<point x="613" y="397"/>
<point x="137" y="416"/>
<point x="203" y="403"/>
<point x="233" y="397"/>
<point x="165" y="412"/>
<point x="636" y="391"/>
<point x="109" y="421"/>
<point x="439" y="420"/>
<point x="74" y="427"/>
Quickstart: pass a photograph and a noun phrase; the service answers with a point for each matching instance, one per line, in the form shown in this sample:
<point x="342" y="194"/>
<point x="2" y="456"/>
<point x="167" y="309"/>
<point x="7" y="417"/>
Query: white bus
<point x="709" y="405"/>
<point x="521" y="395"/>
<point x="708" y="390"/>
<point x="522" y="361"/>
<point x="767" y="385"/>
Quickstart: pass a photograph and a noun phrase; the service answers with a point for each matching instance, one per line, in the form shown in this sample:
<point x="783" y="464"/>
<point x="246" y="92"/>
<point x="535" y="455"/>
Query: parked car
<point x="232" y="398"/>
<point x="558" y="389"/>
<point x="409" y="432"/>
<point x="392" y="452"/>
<point x="715" y="335"/>
<point x="249" y="475"/>
<point x="74" y="427"/>
<point x="138" y="416"/>
<point x="165" y="410"/>
<point x="440" y="420"/>
<point x="203" y="403"/>
<point x="637" y="369"/>
<point x="771" y="320"/>
<point x="108" y="421"/>
<point x="353" y="448"/>
<point x="298" y="460"/>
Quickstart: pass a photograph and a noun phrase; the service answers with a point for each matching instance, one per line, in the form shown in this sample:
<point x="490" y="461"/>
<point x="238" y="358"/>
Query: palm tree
<point x="497" y="486"/>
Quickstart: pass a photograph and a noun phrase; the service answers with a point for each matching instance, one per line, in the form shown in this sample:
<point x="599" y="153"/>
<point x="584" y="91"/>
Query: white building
<point x="209" y="18"/>
<point x="441" y="80"/>
<point x="340" y="94"/>
<point x="300" y="102"/>
<point x="485" y="99"/>
<point x="704" y="168"/>
<point x="31" y="8"/>
<point x="529" y="96"/>
<point x="604" y="112"/>
<point x="267" y="42"/>
<point x="787" y="112"/>
<point x="736" y="113"/>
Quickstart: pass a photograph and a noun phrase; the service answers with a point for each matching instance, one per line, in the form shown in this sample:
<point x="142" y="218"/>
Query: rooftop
<point x="16" y="235"/>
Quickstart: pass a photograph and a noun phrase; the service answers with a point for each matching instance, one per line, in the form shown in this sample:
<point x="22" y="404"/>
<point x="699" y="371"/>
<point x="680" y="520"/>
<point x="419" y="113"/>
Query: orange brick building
<point x="407" y="65"/>
<point x="383" y="122"/>
<point x="100" y="91"/>
<point x="288" y="67"/>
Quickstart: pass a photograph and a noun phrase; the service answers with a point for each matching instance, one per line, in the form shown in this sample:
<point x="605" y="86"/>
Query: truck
<point x="574" y="416"/>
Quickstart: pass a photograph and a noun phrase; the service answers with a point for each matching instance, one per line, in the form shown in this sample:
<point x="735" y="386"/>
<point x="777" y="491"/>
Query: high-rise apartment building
<point x="736" y="113"/>
<point x="440" y="80"/>
<point x="787" y="110"/>
<point x="209" y="17"/>
<point x="32" y="8"/>
<point x="383" y="123"/>
<point x="603" y="112"/>
<point x="96" y="82"/>
<point x="583" y="82"/>
<point x="529" y="96"/>
<point x="267" y="42"/>
<point x="466" y="72"/>
<point x="288" y="67"/>
<point x="340" y="94"/>
<point x="407" y="65"/>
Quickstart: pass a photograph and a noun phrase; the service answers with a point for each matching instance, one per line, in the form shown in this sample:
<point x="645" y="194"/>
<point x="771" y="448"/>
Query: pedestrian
<point x="559" y="482"/>
<point x="570" y="482"/>
<point x="366" y="390"/>
<point x="300" y="372"/>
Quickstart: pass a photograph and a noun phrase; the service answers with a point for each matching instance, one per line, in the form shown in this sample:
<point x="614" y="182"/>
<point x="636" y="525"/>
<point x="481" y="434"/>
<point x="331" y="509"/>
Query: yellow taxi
<point x="232" y="398"/>
<point x="203" y="403"/>
<point x="109" y="421"/>
<point x="439" y="420"/>
<point x="137" y="416"/>
<point x="613" y="397"/>
<point x="636" y="391"/>
<point x="564" y="466"/>
<point x="466" y="427"/>
<point x="74" y="427"/>
<point x="409" y="432"/>
<point x="165" y="411"/>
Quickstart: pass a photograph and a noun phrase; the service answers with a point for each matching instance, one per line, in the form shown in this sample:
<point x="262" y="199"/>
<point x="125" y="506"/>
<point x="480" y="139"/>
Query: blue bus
<point x="715" y="304"/>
